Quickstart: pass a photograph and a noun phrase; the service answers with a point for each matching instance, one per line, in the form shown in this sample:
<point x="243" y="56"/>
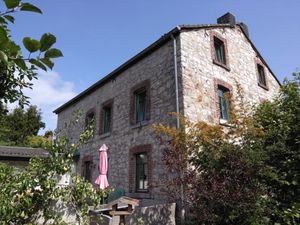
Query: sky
<point x="97" y="36"/>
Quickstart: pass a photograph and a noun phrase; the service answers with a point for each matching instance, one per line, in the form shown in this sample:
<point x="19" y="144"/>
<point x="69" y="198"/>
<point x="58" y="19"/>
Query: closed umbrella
<point x="101" y="181"/>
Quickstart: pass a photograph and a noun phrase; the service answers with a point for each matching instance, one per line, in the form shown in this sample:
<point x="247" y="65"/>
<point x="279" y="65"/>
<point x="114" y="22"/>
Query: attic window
<point x="219" y="51"/>
<point x="261" y="76"/>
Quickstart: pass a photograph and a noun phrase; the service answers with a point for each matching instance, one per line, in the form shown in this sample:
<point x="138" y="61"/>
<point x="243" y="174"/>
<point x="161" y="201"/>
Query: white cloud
<point x="48" y="93"/>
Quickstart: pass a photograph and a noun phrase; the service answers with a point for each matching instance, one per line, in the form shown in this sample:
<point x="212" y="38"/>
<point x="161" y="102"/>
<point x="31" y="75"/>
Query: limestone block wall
<point x="200" y="76"/>
<point x="158" y="70"/>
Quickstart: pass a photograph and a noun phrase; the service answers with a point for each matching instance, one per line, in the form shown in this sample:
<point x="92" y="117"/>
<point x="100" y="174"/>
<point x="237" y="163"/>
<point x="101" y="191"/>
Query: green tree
<point x="280" y="121"/>
<point x="245" y="173"/>
<point x="16" y="70"/>
<point x="220" y="167"/>
<point x="32" y="194"/>
<point x="20" y="124"/>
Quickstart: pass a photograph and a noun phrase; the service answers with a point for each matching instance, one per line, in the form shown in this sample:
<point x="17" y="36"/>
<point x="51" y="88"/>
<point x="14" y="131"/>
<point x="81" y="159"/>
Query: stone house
<point x="188" y="70"/>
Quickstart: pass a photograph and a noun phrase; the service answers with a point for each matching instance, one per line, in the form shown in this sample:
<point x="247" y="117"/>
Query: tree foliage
<point x="244" y="173"/>
<point x="280" y="121"/>
<point x="17" y="70"/>
<point x="18" y="125"/>
<point x="33" y="194"/>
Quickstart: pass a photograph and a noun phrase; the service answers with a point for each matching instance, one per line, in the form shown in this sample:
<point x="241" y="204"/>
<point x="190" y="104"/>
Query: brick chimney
<point x="227" y="18"/>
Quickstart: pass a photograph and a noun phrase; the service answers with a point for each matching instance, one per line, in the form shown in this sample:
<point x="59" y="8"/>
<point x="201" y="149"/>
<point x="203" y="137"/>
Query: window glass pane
<point x="261" y="74"/>
<point x="140" y="106"/>
<point x="220" y="51"/>
<point x="90" y="118"/>
<point x="106" y="119"/>
<point x="141" y="172"/>
<point x="223" y="103"/>
<point x="87" y="170"/>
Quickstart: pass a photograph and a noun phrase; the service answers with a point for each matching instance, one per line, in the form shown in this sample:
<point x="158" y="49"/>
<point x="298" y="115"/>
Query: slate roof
<point x="166" y="37"/>
<point x="22" y="152"/>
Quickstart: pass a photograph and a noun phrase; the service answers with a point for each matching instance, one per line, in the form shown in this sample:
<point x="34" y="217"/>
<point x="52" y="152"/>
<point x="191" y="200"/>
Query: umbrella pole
<point x="122" y="220"/>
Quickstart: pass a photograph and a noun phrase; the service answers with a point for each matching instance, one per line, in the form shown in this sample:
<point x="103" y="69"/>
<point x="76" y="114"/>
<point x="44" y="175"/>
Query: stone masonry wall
<point x="201" y="75"/>
<point x="158" y="70"/>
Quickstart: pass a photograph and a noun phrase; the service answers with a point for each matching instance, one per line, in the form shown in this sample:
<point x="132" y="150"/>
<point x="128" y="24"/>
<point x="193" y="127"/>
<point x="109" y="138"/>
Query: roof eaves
<point x="121" y="68"/>
<point x="203" y="26"/>
<point x="147" y="51"/>
<point x="136" y="58"/>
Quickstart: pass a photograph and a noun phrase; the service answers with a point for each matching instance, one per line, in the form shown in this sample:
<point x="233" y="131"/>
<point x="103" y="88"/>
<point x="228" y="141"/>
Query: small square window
<point x="223" y="103"/>
<point x="140" y="105"/>
<point x="141" y="172"/>
<point x="219" y="51"/>
<point x="261" y="75"/>
<point x="107" y="119"/>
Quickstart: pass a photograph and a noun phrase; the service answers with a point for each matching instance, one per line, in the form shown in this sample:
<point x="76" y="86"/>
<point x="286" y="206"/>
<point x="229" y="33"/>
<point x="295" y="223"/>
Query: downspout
<point x="176" y="81"/>
<point x="182" y="210"/>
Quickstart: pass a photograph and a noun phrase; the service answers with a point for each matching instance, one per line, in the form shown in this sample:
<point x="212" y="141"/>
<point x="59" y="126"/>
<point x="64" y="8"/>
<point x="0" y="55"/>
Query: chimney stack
<point x="228" y="18"/>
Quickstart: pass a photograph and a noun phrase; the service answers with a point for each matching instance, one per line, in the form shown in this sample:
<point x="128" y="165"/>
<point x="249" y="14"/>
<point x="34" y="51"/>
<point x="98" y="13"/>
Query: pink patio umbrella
<point x="101" y="181"/>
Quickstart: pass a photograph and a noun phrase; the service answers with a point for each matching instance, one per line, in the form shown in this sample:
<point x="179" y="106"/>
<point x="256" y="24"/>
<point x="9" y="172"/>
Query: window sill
<point x="140" y="124"/>
<point x="140" y="195"/>
<point x="226" y="67"/>
<point x="105" y="135"/>
<point x="263" y="86"/>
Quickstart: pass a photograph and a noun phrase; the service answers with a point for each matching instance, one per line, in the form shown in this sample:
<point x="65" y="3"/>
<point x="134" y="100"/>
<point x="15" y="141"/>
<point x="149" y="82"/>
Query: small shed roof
<point x="22" y="152"/>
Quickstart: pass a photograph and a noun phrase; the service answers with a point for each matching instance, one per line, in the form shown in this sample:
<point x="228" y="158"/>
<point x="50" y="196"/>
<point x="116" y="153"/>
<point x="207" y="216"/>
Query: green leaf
<point x="11" y="3"/>
<point x="53" y="53"/>
<point x="2" y="21"/>
<point x="30" y="7"/>
<point x="21" y="63"/>
<point x="14" y="49"/>
<point x="47" y="40"/>
<point x="47" y="62"/>
<point x="3" y="35"/>
<point x="38" y="64"/>
<point x="3" y="57"/>
<point x="31" y="45"/>
<point x="9" y="18"/>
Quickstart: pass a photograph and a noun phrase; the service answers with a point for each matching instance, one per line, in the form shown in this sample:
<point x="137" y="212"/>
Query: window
<point x="261" y="75"/>
<point x="223" y="98"/>
<point x="219" y="51"/>
<point x="87" y="171"/>
<point x="106" y="119"/>
<point x="90" y="118"/>
<point x="140" y="105"/>
<point x="141" y="172"/>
